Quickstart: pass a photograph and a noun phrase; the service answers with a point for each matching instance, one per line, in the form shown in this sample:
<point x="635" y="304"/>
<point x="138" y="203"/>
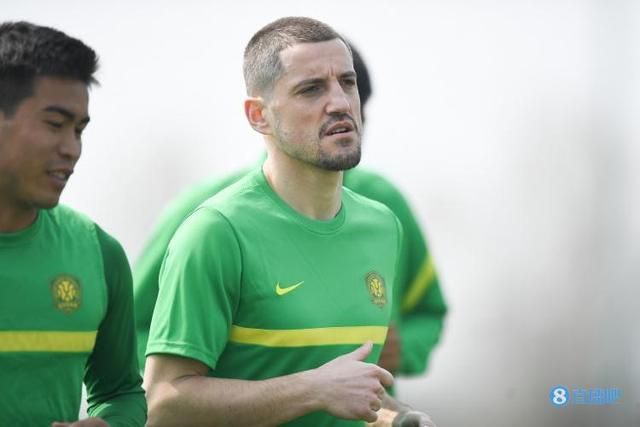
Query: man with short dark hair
<point x="418" y="305"/>
<point x="66" y="312"/>
<point x="275" y="294"/>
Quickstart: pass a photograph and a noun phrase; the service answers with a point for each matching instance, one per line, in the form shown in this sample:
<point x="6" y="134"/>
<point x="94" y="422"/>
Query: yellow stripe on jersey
<point x="47" y="341"/>
<point x="425" y="277"/>
<point x="308" y="337"/>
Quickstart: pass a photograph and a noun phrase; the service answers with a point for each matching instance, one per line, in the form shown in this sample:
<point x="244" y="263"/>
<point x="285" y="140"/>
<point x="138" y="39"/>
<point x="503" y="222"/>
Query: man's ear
<point x="254" y="110"/>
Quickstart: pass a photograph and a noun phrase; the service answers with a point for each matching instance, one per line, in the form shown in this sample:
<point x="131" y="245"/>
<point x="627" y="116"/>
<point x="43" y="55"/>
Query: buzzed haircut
<point x="28" y="51"/>
<point x="262" y="66"/>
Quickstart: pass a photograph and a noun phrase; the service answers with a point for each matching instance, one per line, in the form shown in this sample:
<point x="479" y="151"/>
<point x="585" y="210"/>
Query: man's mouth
<point x="60" y="174"/>
<point x="339" y="128"/>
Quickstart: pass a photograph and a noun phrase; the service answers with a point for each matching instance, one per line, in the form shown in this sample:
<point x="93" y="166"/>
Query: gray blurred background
<point x="512" y="127"/>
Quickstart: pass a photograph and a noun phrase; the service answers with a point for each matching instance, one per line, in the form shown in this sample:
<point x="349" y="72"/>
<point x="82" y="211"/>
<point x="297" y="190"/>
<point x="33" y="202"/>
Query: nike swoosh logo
<point x="283" y="291"/>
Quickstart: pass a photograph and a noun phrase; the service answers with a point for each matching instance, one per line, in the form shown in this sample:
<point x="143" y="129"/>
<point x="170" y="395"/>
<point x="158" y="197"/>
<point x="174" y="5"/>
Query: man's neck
<point x="15" y="219"/>
<point x="313" y="192"/>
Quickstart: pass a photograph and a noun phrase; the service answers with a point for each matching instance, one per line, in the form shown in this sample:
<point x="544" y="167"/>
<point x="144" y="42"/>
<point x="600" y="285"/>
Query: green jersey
<point x="255" y="290"/>
<point x="66" y="315"/>
<point x="419" y="306"/>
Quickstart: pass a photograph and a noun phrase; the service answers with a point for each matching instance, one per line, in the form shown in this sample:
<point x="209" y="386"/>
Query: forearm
<point x="205" y="401"/>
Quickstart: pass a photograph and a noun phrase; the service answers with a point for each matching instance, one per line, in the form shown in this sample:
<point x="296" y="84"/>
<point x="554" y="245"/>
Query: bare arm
<point x="180" y="393"/>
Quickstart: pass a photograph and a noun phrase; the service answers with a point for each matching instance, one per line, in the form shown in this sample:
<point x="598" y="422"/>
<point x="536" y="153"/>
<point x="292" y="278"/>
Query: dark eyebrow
<point x="66" y="113"/>
<point x="317" y="80"/>
<point x="308" y="82"/>
<point x="348" y="74"/>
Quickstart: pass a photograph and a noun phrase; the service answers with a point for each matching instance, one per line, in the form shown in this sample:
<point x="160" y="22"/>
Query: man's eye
<point x="349" y="83"/>
<point x="55" y="125"/>
<point x="309" y="90"/>
<point x="79" y="132"/>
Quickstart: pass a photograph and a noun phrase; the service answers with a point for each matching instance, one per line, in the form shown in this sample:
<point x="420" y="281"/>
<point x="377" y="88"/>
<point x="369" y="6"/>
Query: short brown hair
<point x="262" y="66"/>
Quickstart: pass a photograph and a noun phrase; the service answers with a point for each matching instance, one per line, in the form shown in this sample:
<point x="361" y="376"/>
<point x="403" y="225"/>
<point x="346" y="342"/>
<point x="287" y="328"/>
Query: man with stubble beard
<point x="274" y="297"/>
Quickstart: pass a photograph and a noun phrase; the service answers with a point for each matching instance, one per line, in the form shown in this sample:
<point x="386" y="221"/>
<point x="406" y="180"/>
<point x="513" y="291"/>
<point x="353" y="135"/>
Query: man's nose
<point x="339" y="100"/>
<point x="70" y="145"/>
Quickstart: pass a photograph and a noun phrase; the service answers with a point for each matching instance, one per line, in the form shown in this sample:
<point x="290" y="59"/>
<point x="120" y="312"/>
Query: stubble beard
<point x="339" y="162"/>
<point x="320" y="157"/>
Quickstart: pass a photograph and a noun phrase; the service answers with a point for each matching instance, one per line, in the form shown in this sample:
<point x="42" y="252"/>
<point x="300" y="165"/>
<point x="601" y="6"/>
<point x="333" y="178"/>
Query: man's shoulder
<point x="233" y="204"/>
<point x="216" y="218"/>
<point x="77" y="224"/>
<point x="67" y="217"/>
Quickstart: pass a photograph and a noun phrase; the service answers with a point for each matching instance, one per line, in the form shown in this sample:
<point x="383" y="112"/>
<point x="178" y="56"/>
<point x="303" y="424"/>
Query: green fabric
<point x="114" y="385"/>
<point x="228" y="258"/>
<point x="419" y="328"/>
<point x="63" y="274"/>
<point x="147" y="268"/>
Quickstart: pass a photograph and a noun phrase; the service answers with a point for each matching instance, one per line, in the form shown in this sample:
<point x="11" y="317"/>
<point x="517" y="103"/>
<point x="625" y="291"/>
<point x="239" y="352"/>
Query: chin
<point x="47" y="202"/>
<point x="340" y="163"/>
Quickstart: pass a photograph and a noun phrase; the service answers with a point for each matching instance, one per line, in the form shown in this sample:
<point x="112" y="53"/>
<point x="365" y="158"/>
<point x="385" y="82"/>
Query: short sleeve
<point x="199" y="290"/>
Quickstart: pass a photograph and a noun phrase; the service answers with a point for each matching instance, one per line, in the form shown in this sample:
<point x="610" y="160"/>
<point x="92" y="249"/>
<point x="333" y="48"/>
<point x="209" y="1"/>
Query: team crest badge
<point x="67" y="293"/>
<point x="376" y="288"/>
